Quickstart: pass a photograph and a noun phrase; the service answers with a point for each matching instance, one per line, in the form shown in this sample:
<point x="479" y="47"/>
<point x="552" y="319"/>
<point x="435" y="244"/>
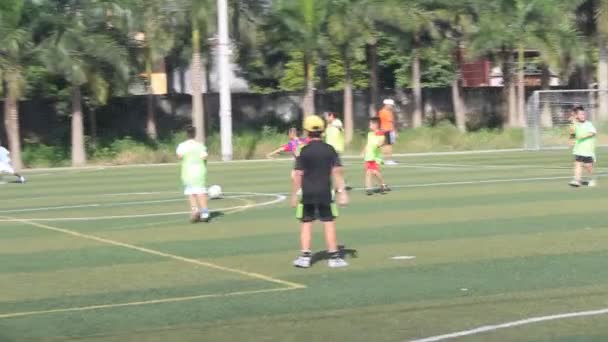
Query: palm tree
<point x="509" y="26"/>
<point x="81" y="52"/>
<point x="300" y="24"/>
<point x="153" y="30"/>
<point x="415" y="25"/>
<point x="15" y="50"/>
<point x="348" y="33"/>
<point x="201" y="15"/>
<point x="455" y="18"/>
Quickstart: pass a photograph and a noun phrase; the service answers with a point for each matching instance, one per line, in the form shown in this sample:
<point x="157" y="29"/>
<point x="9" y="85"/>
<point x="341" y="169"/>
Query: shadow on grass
<point x="324" y="255"/>
<point x="215" y="215"/>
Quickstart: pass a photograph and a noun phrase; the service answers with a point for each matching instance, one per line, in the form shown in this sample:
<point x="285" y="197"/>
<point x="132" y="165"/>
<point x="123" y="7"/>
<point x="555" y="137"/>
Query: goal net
<point x="548" y="116"/>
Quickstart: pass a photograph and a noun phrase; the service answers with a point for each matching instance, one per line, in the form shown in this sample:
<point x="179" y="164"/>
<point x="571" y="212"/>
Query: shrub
<point x="256" y="144"/>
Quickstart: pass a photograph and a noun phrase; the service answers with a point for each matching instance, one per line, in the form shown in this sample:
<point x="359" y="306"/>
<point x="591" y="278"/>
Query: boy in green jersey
<point x="583" y="139"/>
<point x="193" y="156"/>
<point x="373" y="157"/>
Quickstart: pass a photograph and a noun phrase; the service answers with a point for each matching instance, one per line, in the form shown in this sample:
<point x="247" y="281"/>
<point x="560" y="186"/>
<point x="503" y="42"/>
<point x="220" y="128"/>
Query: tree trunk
<point x="417" y="89"/>
<point x="521" y="87"/>
<point x="348" y="103"/>
<point x="196" y="74"/>
<point x="151" y="131"/>
<point x="460" y="113"/>
<point x="602" y="78"/>
<point x="308" y="102"/>
<point x="373" y="78"/>
<point x="79" y="157"/>
<point x="509" y="93"/>
<point x="545" y="84"/>
<point x="11" y="123"/>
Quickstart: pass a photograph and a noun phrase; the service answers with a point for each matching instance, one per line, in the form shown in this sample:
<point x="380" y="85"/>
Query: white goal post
<point x="548" y="113"/>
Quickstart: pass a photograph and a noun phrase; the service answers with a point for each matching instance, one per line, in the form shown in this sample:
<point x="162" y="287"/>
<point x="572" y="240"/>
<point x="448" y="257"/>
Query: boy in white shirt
<point x="6" y="167"/>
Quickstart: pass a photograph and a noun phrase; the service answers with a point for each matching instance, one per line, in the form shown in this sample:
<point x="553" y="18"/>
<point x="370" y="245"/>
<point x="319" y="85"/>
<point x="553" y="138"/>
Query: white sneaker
<point x="302" y="262"/>
<point x="205" y="216"/>
<point x="592" y="183"/>
<point x="575" y="183"/>
<point x="336" y="263"/>
<point x="22" y="180"/>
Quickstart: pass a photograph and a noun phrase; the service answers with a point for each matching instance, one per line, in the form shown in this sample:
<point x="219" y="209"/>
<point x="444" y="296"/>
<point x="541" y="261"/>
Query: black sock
<point x="306" y="254"/>
<point x="334" y="255"/>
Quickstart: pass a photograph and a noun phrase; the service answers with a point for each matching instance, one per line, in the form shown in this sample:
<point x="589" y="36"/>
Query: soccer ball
<point x="215" y="192"/>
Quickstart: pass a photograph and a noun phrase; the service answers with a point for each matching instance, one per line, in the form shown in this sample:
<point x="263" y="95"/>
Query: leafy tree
<point x="514" y="25"/>
<point x="202" y="16"/>
<point x="80" y="50"/>
<point x="298" y="24"/>
<point x="348" y="32"/>
<point x="414" y="24"/>
<point x="153" y="29"/>
<point x="15" y="50"/>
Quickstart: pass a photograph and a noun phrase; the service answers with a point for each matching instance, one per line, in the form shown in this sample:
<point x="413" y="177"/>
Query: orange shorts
<point x="372" y="166"/>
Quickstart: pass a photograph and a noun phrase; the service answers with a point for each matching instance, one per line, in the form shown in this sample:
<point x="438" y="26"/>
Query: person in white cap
<point x="387" y="125"/>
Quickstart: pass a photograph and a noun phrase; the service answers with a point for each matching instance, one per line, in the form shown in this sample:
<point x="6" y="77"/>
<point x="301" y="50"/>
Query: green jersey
<point x="194" y="167"/>
<point x="372" y="149"/>
<point x="584" y="147"/>
<point x="334" y="135"/>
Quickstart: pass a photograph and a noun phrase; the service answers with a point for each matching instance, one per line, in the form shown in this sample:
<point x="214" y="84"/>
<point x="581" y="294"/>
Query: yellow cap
<point x="314" y="123"/>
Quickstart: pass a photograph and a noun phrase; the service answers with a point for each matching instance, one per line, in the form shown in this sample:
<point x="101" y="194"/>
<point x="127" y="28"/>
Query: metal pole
<point x="224" y="80"/>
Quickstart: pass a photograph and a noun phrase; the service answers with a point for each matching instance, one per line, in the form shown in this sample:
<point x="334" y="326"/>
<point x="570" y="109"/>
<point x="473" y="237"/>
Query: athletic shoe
<point x="575" y="183"/>
<point x="205" y="217"/>
<point x="390" y="162"/>
<point x="336" y="263"/>
<point x="22" y="180"/>
<point x="369" y="192"/>
<point x="592" y="183"/>
<point x="302" y="262"/>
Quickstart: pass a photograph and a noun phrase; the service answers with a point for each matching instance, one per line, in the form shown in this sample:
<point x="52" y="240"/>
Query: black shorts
<point x="312" y="212"/>
<point x="584" y="160"/>
<point x="389" y="138"/>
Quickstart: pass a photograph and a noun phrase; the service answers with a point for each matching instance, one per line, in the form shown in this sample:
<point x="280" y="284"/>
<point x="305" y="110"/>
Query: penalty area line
<point x="197" y="262"/>
<point x="527" y="321"/>
<point x="145" y="302"/>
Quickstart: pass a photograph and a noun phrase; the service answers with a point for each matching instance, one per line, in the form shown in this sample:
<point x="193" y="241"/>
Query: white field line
<point x="159" y="253"/>
<point x="527" y="321"/>
<point x="277" y="199"/>
<point x="111" y="204"/>
<point x="145" y="302"/>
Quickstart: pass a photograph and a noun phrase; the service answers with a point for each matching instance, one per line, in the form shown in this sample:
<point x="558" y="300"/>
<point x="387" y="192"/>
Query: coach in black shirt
<point x="315" y="166"/>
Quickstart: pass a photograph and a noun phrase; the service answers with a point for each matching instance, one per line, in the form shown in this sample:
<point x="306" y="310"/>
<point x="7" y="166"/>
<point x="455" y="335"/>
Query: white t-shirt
<point x="4" y="156"/>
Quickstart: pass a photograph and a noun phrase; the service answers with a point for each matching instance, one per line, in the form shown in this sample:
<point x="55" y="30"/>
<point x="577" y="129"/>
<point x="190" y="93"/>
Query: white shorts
<point x="6" y="168"/>
<point x="195" y="190"/>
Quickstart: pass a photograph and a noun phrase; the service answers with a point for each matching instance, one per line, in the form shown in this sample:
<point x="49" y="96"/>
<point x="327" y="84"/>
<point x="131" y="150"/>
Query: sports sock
<point x="306" y="253"/>
<point x="334" y="254"/>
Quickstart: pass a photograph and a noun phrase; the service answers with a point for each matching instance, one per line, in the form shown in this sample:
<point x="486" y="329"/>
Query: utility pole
<point x="224" y="80"/>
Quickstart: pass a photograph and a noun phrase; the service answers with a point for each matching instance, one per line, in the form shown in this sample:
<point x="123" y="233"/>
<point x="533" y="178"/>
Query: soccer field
<point x="496" y="240"/>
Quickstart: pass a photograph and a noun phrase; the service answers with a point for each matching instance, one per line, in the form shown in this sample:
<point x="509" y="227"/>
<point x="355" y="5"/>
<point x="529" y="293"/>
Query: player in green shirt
<point x="334" y="133"/>
<point x="372" y="154"/>
<point x="583" y="139"/>
<point x="193" y="156"/>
